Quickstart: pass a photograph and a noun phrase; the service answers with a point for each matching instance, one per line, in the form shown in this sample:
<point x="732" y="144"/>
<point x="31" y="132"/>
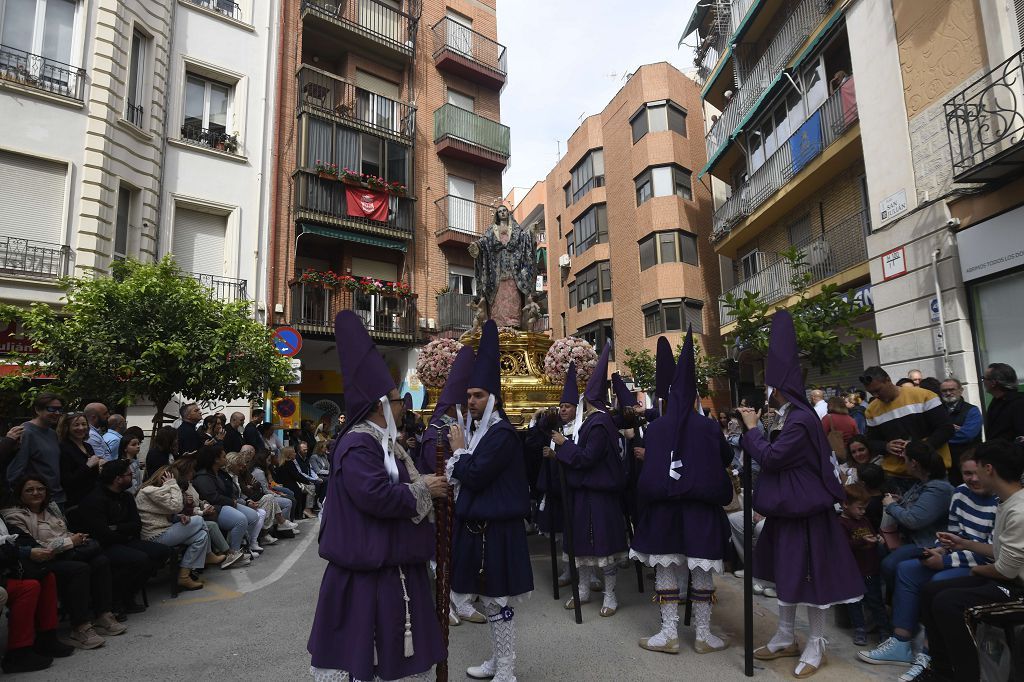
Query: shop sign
<point x="992" y="246"/>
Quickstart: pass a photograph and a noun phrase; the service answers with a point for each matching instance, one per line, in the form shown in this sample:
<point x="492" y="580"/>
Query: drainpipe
<point x="163" y="141"/>
<point x="946" y="367"/>
<point x="265" y="176"/>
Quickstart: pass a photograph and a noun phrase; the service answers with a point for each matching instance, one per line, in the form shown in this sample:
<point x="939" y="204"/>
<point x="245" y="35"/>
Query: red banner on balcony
<point x="366" y="203"/>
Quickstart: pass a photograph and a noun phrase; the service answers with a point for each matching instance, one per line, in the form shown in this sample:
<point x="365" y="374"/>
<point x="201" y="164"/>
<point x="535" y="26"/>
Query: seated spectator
<point x="82" y="570"/>
<point x="109" y="515"/>
<point x="32" y="642"/>
<point x="128" y="447"/>
<point x="161" y="507"/>
<point x="320" y="462"/>
<point x="966" y="543"/>
<point x="163" y="449"/>
<point x="39" y="451"/>
<point x="276" y="508"/>
<point x="237" y="520"/>
<point x="864" y="542"/>
<point x="291" y="477"/>
<point x="269" y="438"/>
<point x="116" y="426"/>
<point x="263" y="472"/>
<point x="302" y="455"/>
<point x="858" y="454"/>
<point x="922" y="511"/>
<point x="952" y="649"/>
<point x="211" y="431"/>
<point x="79" y="464"/>
<point x="184" y="470"/>
<point x="873" y="477"/>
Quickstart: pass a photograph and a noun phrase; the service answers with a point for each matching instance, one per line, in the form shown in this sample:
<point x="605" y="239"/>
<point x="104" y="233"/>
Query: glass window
<point x="657" y="117"/>
<point x="558" y="222"/>
<point x="121" y="224"/>
<point x="814" y="86"/>
<point x="370" y="154"/>
<point x="568" y="195"/>
<point x="589" y="173"/>
<point x="570" y="245"/>
<point x="676" y="120"/>
<point x="673" y="317"/>
<point x="648" y="253"/>
<point x="643" y="188"/>
<point x="598" y="334"/>
<point x="639" y="125"/>
<point x="756" y="152"/>
<point x="688" y="248"/>
<point x="38" y="27"/>
<point x="206" y="110"/>
<point x="750" y="264"/>
<point x="800" y="231"/>
<point x="694" y="311"/>
<point x="604" y="270"/>
<point x="667" y="247"/>
<point x="652" y="321"/>
<point x="662" y="180"/>
<point x="998" y="334"/>
<point x="572" y="295"/>
<point x="136" y="77"/>
<point x="591" y="228"/>
<point x="397" y="163"/>
<point x="465" y="102"/>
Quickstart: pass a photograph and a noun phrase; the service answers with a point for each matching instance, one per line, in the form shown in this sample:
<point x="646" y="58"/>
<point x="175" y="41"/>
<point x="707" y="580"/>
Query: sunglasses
<point x="54" y="410"/>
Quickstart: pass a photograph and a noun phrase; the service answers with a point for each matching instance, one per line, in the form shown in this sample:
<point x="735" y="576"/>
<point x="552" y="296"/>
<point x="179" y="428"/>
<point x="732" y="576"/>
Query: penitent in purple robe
<point x="367" y="535"/>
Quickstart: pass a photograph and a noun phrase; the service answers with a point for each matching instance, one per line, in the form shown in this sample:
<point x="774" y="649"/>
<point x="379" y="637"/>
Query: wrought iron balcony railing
<point x="225" y="7"/>
<point x="324" y="199"/>
<point x="314" y="307"/>
<point x="451" y="121"/>
<point x="225" y="289"/>
<point x="808" y="141"/>
<point x="464" y="41"/>
<point x="371" y="18"/>
<point x="133" y="113"/>
<point x="32" y="259"/>
<point x="333" y="96"/>
<point x="455" y="311"/>
<point x="840" y="247"/>
<point x="464" y="215"/>
<point x="41" y="73"/>
<point x="212" y="138"/>
<point x="985" y="124"/>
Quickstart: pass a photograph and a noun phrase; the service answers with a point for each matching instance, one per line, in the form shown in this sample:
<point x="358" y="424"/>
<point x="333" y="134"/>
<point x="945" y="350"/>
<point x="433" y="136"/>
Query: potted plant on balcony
<point x="326" y="170"/>
<point x="231" y="143"/>
<point x="328" y="279"/>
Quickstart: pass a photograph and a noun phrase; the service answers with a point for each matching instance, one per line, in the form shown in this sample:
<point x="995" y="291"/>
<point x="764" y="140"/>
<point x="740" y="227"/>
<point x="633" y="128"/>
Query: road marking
<point x="245" y="585"/>
<point x="211" y="592"/>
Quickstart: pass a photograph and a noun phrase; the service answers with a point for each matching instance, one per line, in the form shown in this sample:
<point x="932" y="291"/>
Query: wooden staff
<point x="748" y="566"/>
<point x="443" y="513"/>
<point x="574" y="574"/>
<point x="552" y="541"/>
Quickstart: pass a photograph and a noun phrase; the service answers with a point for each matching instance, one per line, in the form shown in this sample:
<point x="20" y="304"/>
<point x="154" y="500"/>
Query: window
<point x="800" y="231"/>
<point x="694" y="312"/>
<point x="370" y="155"/>
<point x="198" y="243"/>
<point x="38" y="27"/>
<point x="591" y="228"/>
<point x="568" y="194"/>
<point x="459" y="32"/>
<point x="360" y="151"/>
<point x="558" y="222"/>
<point x="570" y="246"/>
<point x="587" y="174"/>
<point x="592" y="286"/>
<point x="207" y="111"/>
<point x="751" y="264"/>
<point x="658" y="117"/>
<point x="136" y="78"/>
<point x="673" y="315"/>
<point x="597" y="335"/>
<point x="461" y="280"/>
<point x="663" y="181"/>
<point x="668" y="247"/>
<point x="122" y="222"/>
<point x="461" y="101"/>
<point x="564" y="327"/>
<point x="461" y="204"/>
<point x="32" y="195"/>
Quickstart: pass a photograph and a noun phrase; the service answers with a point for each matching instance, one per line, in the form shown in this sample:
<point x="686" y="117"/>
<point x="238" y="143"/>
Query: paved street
<point x="252" y="623"/>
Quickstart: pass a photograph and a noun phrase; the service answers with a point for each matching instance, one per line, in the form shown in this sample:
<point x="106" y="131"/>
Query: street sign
<point x="287" y="341"/>
<point x="285" y="407"/>
<point x="933" y="309"/>
<point x="894" y="264"/>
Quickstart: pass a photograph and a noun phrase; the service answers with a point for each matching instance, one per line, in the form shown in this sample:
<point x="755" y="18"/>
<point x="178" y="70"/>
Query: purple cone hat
<point x="454" y="391"/>
<point x="365" y="374"/>
<point x="571" y="389"/>
<point x="625" y="397"/>
<point x="486" y="374"/>
<point x="595" y="392"/>
<point x="664" y="368"/>
<point x="684" y="386"/>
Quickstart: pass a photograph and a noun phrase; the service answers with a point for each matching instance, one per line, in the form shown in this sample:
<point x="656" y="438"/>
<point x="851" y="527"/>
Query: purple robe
<point x="596" y="477"/>
<point x="367" y="535"/>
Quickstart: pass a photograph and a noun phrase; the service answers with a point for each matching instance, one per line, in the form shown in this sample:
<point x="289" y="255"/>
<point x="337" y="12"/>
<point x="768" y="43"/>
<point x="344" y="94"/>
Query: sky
<point x="565" y="63"/>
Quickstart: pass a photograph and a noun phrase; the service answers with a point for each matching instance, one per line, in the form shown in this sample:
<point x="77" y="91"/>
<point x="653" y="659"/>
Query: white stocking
<point x="610" y="575"/>
<point x="503" y="638"/>
<point x="586" y="575"/>
<point x="814" y="651"/>
<point x="784" y="636"/>
<point x="703" y="592"/>
<point x="666" y="592"/>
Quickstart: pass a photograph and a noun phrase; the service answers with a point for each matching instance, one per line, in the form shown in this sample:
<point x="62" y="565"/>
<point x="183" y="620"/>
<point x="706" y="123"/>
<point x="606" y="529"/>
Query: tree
<point x="148" y="331"/>
<point x="821" y="320"/>
<point x="641" y="365"/>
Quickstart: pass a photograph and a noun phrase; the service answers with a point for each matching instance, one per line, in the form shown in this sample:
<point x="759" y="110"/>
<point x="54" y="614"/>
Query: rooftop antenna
<point x="558" y="154"/>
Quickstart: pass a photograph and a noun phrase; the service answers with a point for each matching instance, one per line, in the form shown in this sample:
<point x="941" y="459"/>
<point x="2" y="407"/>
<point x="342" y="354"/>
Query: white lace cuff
<point x="424" y="503"/>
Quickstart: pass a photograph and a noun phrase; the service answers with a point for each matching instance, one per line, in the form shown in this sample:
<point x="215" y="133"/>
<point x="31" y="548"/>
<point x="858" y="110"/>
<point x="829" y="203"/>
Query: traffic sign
<point x="285" y="407"/>
<point x="287" y="341"/>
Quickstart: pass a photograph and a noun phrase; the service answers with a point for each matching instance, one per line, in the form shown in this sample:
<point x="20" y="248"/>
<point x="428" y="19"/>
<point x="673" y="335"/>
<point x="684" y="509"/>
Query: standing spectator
<point x="215" y="486"/>
<point x="163" y="448"/>
<point x="233" y="435"/>
<point x="189" y="439"/>
<point x="915" y="376"/>
<point x="39" y="452"/>
<point x="161" y="509"/>
<point x="855" y="406"/>
<point x="818" y="403"/>
<point x="1005" y="418"/>
<point x="8" y="449"/>
<point x="109" y="515"/>
<point x="251" y="433"/>
<point x="839" y="419"/>
<point x="128" y="448"/>
<point x="116" y="426"/>
<point x="98" y="415"/>
<point x="931" y="384"/>
<point x="326" y="428"/>
<point x="900" y="414"/>
<point x="966" y="420"/>
<point x="79" y="464"/>
<point x="864" y="541"/>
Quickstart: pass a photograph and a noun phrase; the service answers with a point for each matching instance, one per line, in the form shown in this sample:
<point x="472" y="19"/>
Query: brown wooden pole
<point x="443" y="512"/>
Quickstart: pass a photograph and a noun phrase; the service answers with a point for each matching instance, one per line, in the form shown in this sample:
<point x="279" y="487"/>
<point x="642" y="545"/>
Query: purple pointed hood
<point x="365" y="374"/>
<point x="595" y="391"/>
<point x="683" y="393"/>
<point x="782" y="366"/>
<point x="486" y="373"/>
<point x="664" y="368"/>
<point x="625" y="397"/>
<point x="454" y="391"/>
<point x="571" y="389"/>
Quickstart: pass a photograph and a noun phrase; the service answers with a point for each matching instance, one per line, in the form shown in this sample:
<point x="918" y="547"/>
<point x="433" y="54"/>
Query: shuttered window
<point x="368" y="81"/>
<point x="32" y="198"/>
<point x="199" y="241"/>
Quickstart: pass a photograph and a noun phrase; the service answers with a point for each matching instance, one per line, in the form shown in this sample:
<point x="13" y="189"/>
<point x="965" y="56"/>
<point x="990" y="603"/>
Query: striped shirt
<point x="915" y="414"/>
<point x="972" y="516"/>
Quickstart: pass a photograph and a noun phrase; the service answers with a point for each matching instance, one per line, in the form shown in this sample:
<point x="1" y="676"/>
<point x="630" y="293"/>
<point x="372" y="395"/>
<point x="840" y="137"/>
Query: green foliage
<point x="641" y="366"/>
<point x="821" y="320"/>
<point x="149" y="331"/>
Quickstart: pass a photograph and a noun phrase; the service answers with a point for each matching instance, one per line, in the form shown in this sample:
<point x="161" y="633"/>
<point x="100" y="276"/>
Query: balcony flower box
<point x="326" y="170"/>
<point x="368" y="285"/>
<point x="378" y="184"/>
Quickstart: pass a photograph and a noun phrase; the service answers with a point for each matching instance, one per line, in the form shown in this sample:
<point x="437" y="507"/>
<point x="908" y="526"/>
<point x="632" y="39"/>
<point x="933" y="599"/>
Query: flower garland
<point x="564" y="351"/>
<point x="435" y="361"/>
<point x="368" y="285"/>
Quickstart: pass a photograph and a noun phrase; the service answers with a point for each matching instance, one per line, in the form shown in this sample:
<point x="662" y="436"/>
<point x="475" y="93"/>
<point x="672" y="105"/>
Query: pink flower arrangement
<point x="373" y="181"/>
<point x="368" y="285"/>
<point x="564" y="351"/>
<point x="436" y="360"/>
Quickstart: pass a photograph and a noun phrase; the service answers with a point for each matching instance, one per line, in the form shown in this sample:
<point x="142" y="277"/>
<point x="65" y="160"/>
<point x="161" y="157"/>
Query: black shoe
<point x="131" y="606"/>
<point x="24" y="660"/>
<point x="49" y="646"/>
<point x="120" y="616"/>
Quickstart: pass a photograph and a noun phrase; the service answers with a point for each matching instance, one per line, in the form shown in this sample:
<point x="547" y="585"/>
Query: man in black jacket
<point x="1005" y="416"/>
<point x="232" y="436"/>
<point x="189" y="440"/>
<point x="251" y="433"/>
<point x="109" y="515"/>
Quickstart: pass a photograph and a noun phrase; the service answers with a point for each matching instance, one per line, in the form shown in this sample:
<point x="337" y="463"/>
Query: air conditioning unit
<point x="563" y="260"/>
<point x="431" y="323"/>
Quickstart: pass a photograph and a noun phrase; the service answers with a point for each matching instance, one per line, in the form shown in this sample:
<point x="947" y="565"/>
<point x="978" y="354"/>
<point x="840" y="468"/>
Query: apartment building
<point x="944" y="157"/>
<point x="628" y="224"/>
<point x="388" y="160"/>
<point x="784" y="157"/>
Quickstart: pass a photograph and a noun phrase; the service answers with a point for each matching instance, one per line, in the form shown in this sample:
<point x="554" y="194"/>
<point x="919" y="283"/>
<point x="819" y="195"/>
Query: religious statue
<point x="531" y="312"/>
<point x="505" y="268"/>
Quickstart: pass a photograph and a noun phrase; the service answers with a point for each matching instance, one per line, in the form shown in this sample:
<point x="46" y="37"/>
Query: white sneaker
<point x="758" y="589"/>
<point x="231" y="559"/>
<point x="254" y="548"/>
<point x="770" y="593"/>
<point x="289" y="525"/>
<point x="484" y="671"/>
<point x="269" y="540"/>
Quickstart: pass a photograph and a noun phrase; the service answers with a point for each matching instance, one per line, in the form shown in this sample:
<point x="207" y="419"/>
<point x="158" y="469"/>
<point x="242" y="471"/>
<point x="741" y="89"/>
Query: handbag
<point x="998" y="633"/>
<point x="87" y="551"/>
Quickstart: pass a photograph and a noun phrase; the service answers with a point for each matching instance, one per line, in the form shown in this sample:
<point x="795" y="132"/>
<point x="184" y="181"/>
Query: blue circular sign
<point x="287" y="341"/>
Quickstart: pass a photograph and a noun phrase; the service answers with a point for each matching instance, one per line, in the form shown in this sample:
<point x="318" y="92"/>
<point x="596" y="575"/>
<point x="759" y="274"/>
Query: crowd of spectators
<point x="86" y="521"/>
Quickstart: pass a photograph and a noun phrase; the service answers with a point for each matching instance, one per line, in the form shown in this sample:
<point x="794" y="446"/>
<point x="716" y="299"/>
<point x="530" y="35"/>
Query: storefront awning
<point x="369" y="240"/>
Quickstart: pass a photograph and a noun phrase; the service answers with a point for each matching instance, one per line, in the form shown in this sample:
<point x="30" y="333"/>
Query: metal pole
<point x="947" y="369"/>
<point x="748" y="572"/>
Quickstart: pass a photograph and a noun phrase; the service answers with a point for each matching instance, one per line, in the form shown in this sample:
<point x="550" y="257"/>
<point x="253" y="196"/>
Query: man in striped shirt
<point x="968" y="542"/>
<point x="900" y="414"/>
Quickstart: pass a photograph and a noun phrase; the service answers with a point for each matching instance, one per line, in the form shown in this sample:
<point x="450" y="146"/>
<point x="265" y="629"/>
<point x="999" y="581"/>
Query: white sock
<point x="665" y="581"/>
<point x="586" y="574"/>
<point x="814" y="651"/>
<point x="783" y="636"/>
<point x="610" y="575"/>
<point x="702" y="580"/>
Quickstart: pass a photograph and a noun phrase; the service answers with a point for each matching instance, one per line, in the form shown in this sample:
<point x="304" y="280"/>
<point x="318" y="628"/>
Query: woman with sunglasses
<point x="39" y="452"/>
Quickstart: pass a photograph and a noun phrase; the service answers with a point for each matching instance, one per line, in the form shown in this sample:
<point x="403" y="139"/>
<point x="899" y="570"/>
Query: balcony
<point x="766" y="69"/>
<point x="226" y="8"/>
<point x="29" y="259"/>
<point x="329" y="96"/>
<point x="223" y="289"/>
<point x="838" y="248"/>
<point x="463" y="221"/>
<point x="461" y="134"/>
<point x="31" y="71"/>
<point x="471" y="55"/>
<point x="455" y="312"/>
<point x="985" y="125"/>
<point x="324" y="200"/>
<point x="387" y="319"/>
<point x="822" y="128"/>
<point x="211" y="138"/>
<point x="363" y="24"/>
